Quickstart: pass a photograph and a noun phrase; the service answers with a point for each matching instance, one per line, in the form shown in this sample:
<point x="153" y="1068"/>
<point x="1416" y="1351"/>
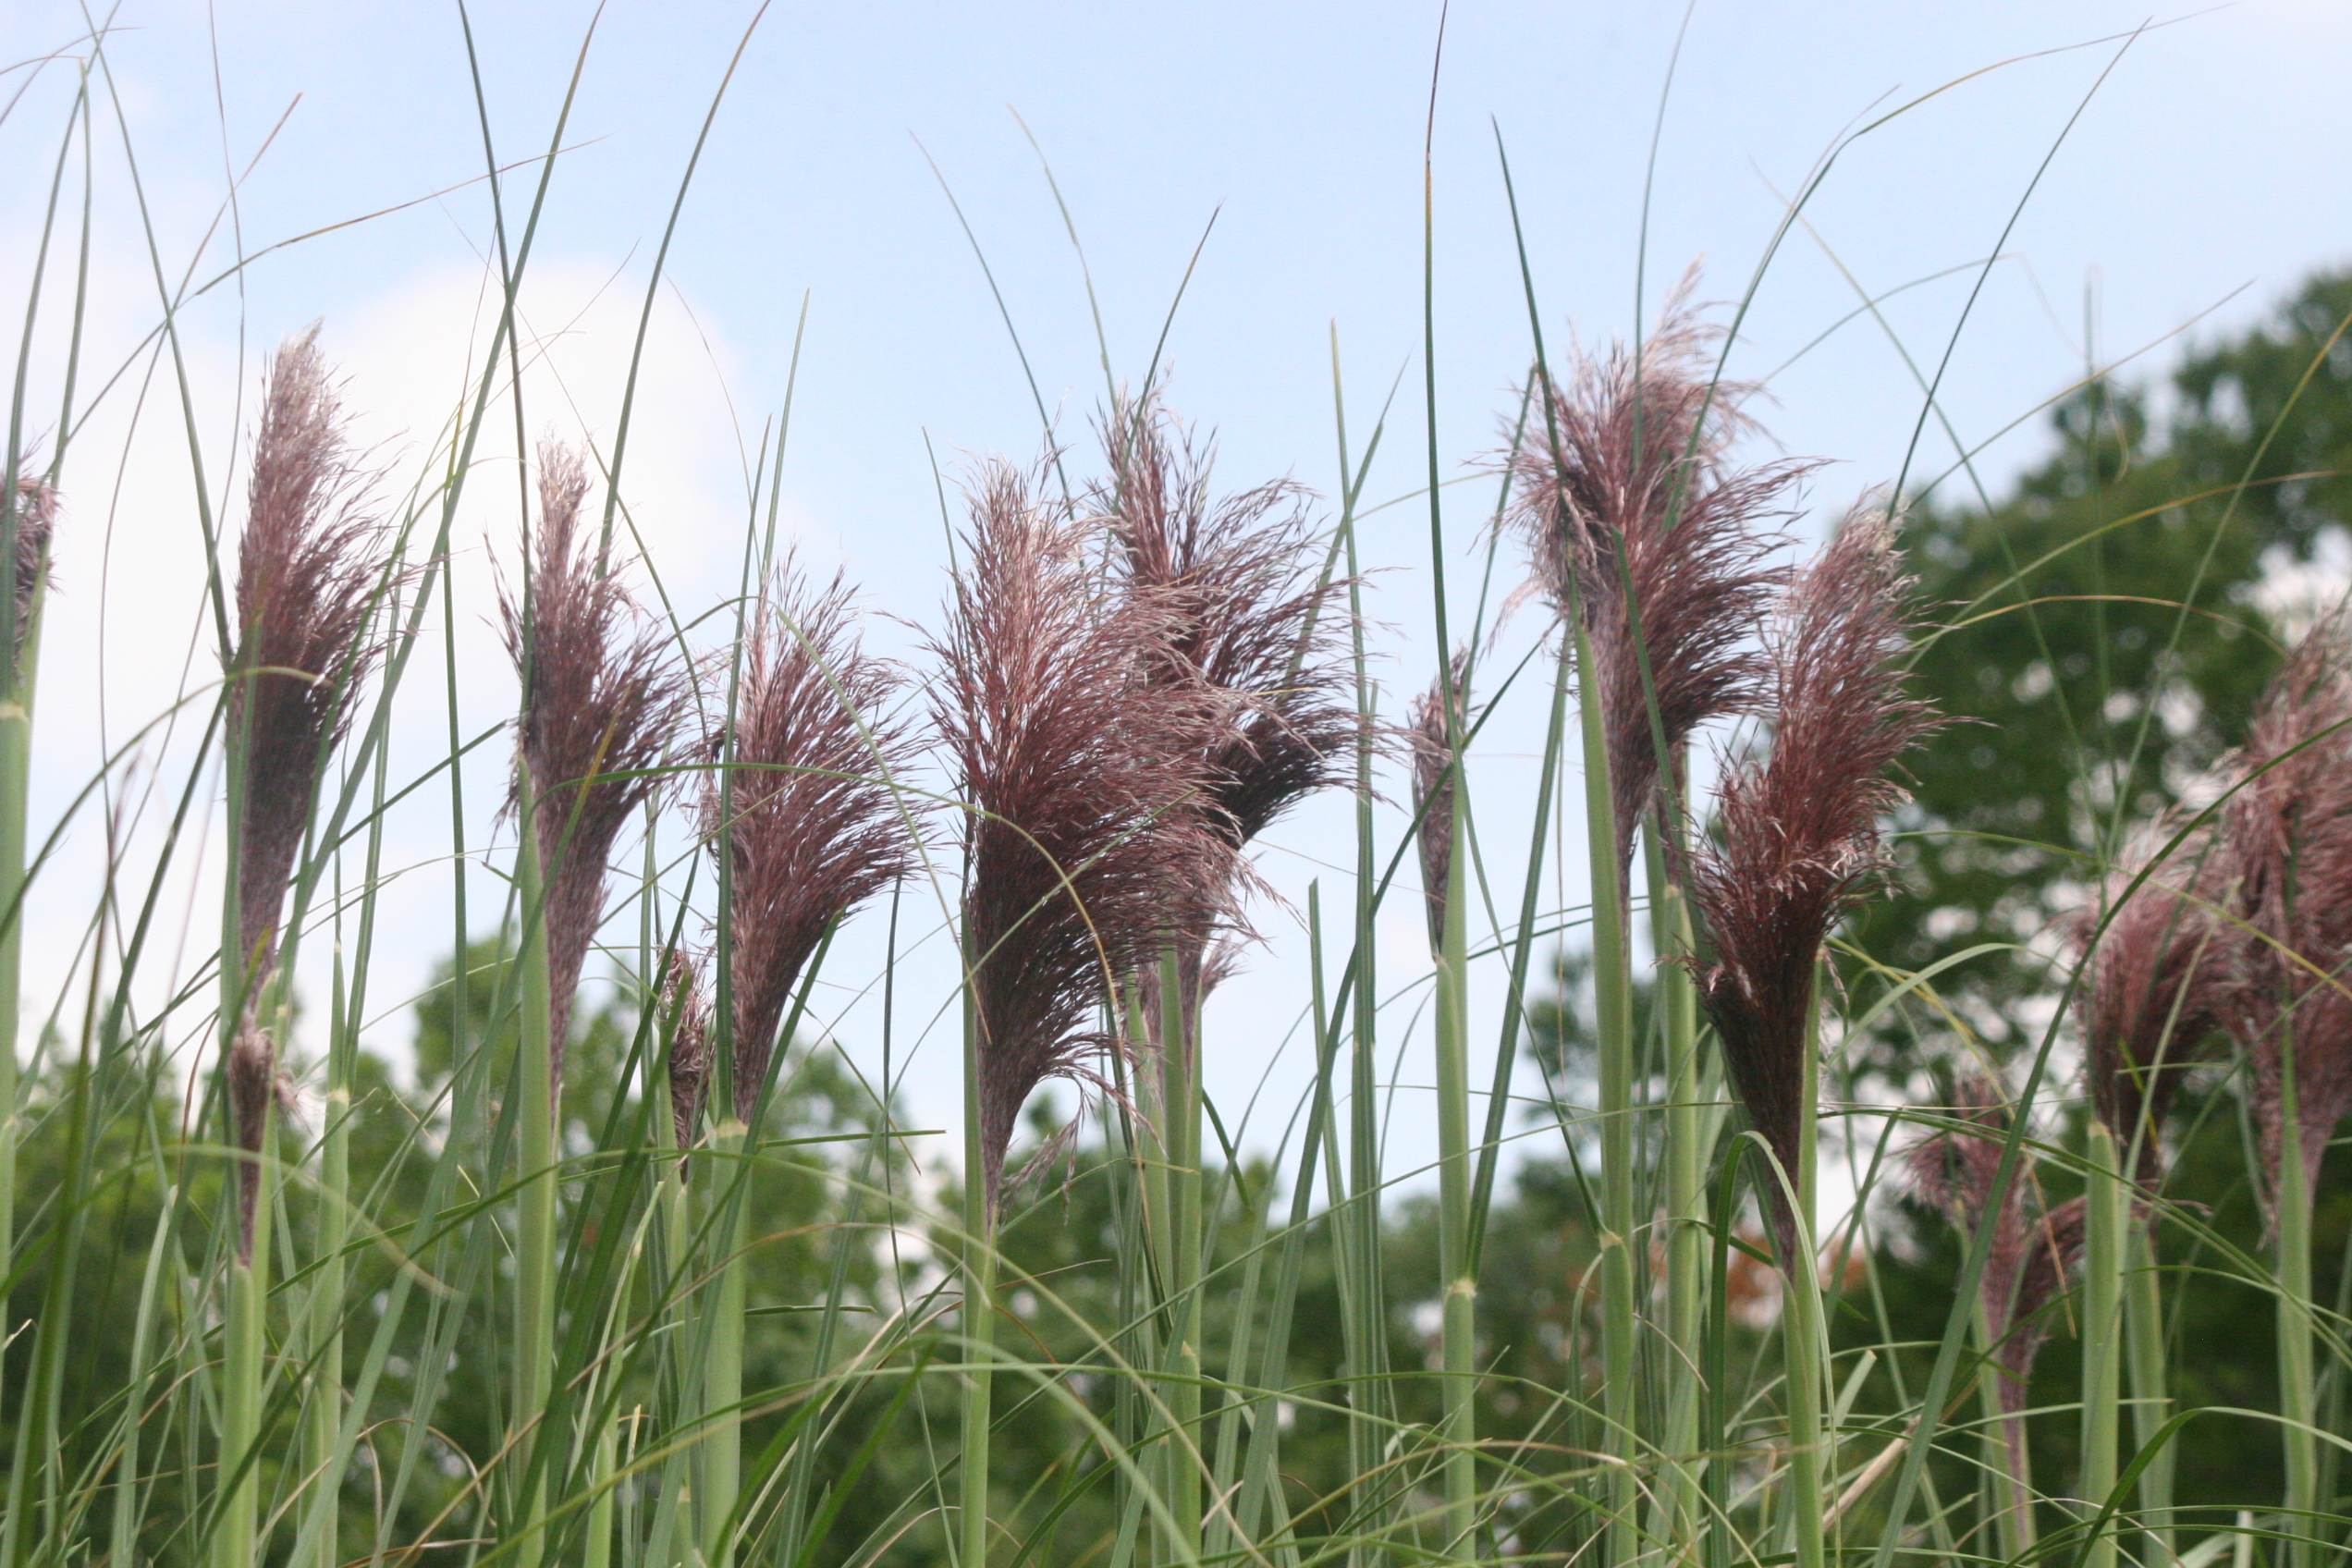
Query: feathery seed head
<point x="602" y="696"/>
<point x="1797" y="842"/>
<point x="36" y="513"/>
<point x="808" y="813"/>
<point x="2158" y="985"/>
<point x="2288" y="829"/>
<point x="309" y="569"/>
<point x="1082" y="762"/>
<point x="2030" y="1258"/>
<point x="1638" y="499"/>
<point x="1249" y="614"/>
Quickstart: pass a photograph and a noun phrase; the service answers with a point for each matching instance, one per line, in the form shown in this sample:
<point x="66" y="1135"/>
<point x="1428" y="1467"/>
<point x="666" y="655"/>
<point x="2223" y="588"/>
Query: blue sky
<point x="2203" y="175"/>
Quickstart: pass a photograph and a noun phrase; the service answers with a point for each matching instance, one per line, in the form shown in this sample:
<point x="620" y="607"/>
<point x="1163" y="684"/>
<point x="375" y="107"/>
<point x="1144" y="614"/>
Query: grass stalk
<point x="1143" y="1262"/>
<point x="722" y="1448"/>
<point x="1804" y="1342"/>
<point x="236" y="1543"/>
<point x="2011" y="1469"/>
<point x="1613" y="996"/>
<point x="1364" y="1295"/>
<point x="675" y="1231"/>
<point x="979" y="1316"/>
<point x="1459" y="1276"/>
<point x="1181" y="1094"/>
<point x="16" y="765"/>
<point x="2103" y="1224"/>
<point x="2144" y="1351"/>
<point x="596" y="1551"/>
<point x="2297" y="1369"/>
<point x="322" y="1411"/>
<point x="235" y="1527"/>
<point x="536" y="1240"/>
<point x="1689" y="1131"/>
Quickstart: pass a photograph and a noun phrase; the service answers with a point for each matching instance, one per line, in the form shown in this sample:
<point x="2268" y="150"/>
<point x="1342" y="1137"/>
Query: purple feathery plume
<point x="307" y="573"/>
<point x="1433" y="772"/>
<point x="683" y="998"/>
<point x="1798" y="841"/>
<point x="815" y="828"/>
<point x="2030" y="1259"/>
<point x="1250" y="616"/>
<point x="602" y="696"/>
<point x="2158" y="986"/>
<point x="309" y="565"/>
<point x="2289" y="826"/>
<point x="36" y="513"/>
<point x="1081" y="762"/>
<point x="1252" y="620"/>
<point x="1636" y="497"/>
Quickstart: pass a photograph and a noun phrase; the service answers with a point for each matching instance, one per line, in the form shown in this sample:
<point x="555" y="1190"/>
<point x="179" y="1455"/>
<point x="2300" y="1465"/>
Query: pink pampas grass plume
<point x="1797" y="842"/>
<point x="1638" y="499"/>
<point x="309" y="565"/>
<point x="1249" y="614"/>
<point x="2157" y="987"/>
<point x="2289" y="826"/>
<point x="36" y="517"/>
<point x="1433" y="782"/>
<point x="308" y="571"/>
<point x="602" y="696"/>
<point x="1089" y="847"/>
<point x="683" y="1000"/>
<point x="2031" y="1257"/>
<point x="808" y="817"/>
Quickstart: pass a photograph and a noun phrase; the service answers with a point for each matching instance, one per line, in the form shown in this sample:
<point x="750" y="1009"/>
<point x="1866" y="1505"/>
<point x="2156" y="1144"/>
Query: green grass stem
<point x="720" y="1492"/>
<point x="2151" y="1406"/>
<point x="1613" y="1020"/>
<point x="1457" y="1270"/>
<point x="536" y="1238"/>
<point x="2298" y="1368"/>
<point x="1181" y="1102"/>
<point x="2105" y="1208"/>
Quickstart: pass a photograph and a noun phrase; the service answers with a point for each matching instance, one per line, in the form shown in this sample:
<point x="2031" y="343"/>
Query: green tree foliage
<point x="2110" y="623"/>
